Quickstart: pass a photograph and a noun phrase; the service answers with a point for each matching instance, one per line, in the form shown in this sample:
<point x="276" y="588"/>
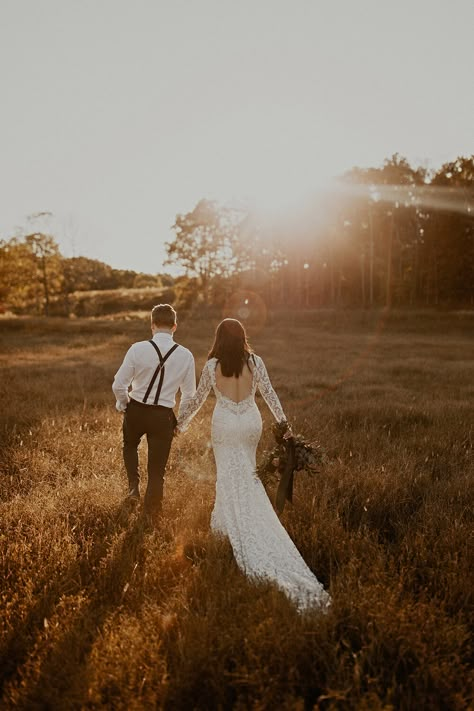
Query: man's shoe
<point x="133" y="494"/>
<point x="153" y="517"/>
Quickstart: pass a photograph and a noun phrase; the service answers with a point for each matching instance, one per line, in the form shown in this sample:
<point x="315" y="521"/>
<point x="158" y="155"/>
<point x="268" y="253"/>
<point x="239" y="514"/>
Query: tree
<point x="147" y="280"/>
<point x="207" y="243"/>
<point x="449" y="234"/>
<point x="48" y="265"/>
<point x="30" y="272"/>
<point x="84" y="274"/>
<point x="18" y="274"/>
<point x="392" y="218"/>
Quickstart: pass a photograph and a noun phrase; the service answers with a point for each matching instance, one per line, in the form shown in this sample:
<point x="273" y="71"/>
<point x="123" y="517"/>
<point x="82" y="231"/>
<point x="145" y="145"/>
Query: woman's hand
<point x="289" y="432"/>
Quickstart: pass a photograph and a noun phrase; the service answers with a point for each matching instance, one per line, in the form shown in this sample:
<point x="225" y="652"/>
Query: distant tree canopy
<point x="391" y="235"/>
<point x="36" y="278"/>
<point x="84" y="274"/>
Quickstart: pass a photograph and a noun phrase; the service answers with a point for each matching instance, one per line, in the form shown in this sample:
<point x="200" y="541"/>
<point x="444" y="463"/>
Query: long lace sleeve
<point x="268" y="393"/>
<point x="188" y="409"/>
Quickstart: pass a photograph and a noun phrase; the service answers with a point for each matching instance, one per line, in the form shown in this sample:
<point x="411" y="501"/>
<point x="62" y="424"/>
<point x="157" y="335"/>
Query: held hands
<point x="178" y="429"/>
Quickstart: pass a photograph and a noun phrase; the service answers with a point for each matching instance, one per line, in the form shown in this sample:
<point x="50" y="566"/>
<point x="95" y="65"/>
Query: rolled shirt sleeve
<point x="122" y="381"/>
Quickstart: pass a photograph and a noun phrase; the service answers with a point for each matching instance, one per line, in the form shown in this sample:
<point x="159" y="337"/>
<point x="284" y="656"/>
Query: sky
<point x="115" y="115"/>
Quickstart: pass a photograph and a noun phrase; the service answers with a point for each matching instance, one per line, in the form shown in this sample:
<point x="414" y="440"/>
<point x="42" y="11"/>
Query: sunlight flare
<point x="453" y="199"/>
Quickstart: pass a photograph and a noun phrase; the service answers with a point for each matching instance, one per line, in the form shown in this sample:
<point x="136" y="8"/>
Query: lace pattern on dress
<point x="242" y="511"/>
<point x="260" y="380"/>
<point x="267" y="391"/>
<point x="194" y="404"/>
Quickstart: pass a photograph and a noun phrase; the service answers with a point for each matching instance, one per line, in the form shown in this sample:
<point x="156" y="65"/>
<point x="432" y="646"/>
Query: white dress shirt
<point x="139" y="365"/>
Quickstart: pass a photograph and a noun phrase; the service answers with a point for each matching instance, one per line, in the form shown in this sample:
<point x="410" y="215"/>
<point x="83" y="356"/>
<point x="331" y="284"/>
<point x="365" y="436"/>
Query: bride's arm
<point x="191" y="406"/>
<point x="266" y="388"/>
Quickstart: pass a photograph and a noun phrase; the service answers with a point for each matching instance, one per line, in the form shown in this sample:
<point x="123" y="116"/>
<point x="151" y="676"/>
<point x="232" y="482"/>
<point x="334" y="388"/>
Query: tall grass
<point x="101" y="610"/>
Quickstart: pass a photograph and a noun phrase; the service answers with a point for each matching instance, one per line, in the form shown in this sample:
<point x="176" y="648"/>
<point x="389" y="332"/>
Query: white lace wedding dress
<point x="242" y="510"/>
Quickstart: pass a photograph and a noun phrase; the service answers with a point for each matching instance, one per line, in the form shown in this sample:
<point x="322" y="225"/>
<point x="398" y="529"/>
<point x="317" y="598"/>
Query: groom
<point x="155" y="369"/>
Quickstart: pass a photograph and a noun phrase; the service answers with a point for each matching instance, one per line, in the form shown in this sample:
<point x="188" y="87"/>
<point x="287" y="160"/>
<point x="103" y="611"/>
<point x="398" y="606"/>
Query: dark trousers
<point x="158" y="424"/>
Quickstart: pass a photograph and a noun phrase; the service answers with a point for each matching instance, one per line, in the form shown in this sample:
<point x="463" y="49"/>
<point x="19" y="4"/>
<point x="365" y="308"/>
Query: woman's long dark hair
<point x="231" y="347"/>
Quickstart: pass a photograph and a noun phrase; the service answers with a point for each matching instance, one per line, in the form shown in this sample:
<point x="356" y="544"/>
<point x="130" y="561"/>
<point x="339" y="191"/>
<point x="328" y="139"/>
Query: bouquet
<point x="290" y="454"/>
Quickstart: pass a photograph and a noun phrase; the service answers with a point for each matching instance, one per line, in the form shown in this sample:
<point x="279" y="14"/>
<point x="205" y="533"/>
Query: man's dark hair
<point x="163" y="315"/>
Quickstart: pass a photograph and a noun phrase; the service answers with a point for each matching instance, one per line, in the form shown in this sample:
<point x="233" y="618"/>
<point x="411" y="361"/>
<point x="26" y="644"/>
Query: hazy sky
<point x="117" y="114"/>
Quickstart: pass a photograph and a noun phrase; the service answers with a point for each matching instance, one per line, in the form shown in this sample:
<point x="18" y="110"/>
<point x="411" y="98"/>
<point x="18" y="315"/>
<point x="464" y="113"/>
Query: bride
<point x="242" y="510"/>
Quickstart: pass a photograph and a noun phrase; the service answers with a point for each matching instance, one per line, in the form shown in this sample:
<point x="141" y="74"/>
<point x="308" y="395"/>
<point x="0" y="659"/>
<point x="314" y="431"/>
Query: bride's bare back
<point x="235" y="389"/>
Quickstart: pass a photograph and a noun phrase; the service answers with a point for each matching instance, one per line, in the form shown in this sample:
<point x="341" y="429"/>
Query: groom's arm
<point x="188" y="384"/>
<point x="122" y="380"/>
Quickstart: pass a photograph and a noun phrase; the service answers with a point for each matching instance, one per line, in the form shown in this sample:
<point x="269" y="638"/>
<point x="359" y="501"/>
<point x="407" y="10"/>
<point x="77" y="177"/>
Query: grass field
<point x="98" y="610"/>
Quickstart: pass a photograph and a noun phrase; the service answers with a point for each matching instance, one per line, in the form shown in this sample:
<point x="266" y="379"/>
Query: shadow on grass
<point x="101" y="581"/>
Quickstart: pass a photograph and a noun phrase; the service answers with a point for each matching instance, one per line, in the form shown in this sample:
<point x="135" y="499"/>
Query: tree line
<point x="392" y="235"/>
<point x="387" y="236"/>
<point x="36" y="278"/>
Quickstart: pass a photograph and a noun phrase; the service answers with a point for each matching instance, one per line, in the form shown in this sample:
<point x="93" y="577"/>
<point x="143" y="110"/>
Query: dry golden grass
<point x="98" y="610"/>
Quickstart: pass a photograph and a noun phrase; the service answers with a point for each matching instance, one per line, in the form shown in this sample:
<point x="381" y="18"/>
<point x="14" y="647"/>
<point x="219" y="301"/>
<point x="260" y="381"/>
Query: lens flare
<point x="429" y="197"/>
<point x="249" y="308"/>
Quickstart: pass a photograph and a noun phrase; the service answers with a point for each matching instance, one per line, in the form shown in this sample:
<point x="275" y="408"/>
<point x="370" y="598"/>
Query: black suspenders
<point x="160" y="369"/>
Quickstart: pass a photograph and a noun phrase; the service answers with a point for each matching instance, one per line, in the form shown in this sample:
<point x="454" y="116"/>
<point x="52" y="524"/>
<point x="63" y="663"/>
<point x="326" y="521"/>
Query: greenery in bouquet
<point x="308" y="456"/>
